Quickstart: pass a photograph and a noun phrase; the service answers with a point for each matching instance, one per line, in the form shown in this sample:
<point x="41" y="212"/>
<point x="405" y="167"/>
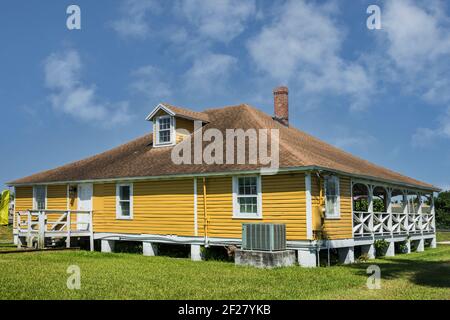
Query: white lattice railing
<point x="384" y="223"/>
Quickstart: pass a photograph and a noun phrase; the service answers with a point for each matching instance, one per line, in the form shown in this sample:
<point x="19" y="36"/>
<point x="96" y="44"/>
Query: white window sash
<point x="236" y="207"/>
<point x="119" y="214"/>
<point x="335" y="213"/>
<point x="171" y="130"/>
<point x="35" y="205"/>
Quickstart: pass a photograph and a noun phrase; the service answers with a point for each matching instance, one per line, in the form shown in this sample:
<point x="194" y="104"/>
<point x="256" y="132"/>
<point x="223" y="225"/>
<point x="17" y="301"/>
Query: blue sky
<point x="383" y="95"/>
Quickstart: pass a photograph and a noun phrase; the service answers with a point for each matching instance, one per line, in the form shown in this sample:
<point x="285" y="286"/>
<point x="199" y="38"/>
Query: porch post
<point x="408" y="246"/>
<point x="346" y="255"/>
<point x="421" y="245"/>
<point x="107" y="246"/>
<point x="405" y="211"/>
<point x="370" y="207"/>
<point x="149" y="249"/>
<point x="307" y="257"/>
<point x="390" y="250"/>
<point x="196" y="252"/>
<point x="389" y="209"/>
<point x="432" y="211"/>
<point x="369" y="250"/>
<point x="68" y="227"/>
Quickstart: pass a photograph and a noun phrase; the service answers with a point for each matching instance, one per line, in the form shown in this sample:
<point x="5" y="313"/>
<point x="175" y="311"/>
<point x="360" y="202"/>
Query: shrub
<point x="380" y="247"/>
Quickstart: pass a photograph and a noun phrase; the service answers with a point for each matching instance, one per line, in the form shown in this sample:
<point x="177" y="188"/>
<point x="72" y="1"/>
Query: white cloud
<point x="417" y="41"/>
<point x="151" y="82"/>
<point x="220" y="20"/>
<point x="302" y="47"/>
<point x="209" y="73"/>
<point x="134" y="19"/>
<point x="72" y="97"/>
<point x="417" y="35"/>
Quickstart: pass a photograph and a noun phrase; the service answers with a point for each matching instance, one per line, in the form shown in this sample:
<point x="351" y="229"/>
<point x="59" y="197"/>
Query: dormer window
<point x="164" y="130"/>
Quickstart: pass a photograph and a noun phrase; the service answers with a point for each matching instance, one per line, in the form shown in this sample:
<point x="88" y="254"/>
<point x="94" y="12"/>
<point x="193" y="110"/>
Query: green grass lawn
<point x="6" y="238"/>
<point x="42" y="275"/>
<point x="443" y="236"/>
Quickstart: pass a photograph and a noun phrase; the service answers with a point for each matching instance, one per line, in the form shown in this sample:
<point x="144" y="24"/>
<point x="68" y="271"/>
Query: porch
<point x="43" y="228"/>
<point x="384" y="211"/>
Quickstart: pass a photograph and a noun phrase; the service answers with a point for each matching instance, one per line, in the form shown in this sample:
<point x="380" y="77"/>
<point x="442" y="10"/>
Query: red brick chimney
<point x="281" y="105"/>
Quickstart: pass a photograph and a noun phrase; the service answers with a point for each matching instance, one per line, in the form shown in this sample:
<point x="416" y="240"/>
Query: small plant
<point x="403" y="248"/>
<point x="380" y="247"/>
<point x="363" y="258"/>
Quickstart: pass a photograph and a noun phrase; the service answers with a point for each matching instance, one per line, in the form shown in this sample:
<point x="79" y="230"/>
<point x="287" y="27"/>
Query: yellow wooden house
<point x="327" y="198"/>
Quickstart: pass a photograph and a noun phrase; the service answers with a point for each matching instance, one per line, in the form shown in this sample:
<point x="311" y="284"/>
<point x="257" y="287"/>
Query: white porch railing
<point x="384" y="223"/>
<point x="38" y="224"/>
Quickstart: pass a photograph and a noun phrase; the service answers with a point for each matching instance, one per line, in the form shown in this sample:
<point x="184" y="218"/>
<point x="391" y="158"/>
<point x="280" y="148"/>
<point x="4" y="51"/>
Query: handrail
<point x="393" y="223"/>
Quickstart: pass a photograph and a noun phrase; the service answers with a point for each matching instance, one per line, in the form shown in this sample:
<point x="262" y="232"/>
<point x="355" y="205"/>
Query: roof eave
<point x="221" y="173"/>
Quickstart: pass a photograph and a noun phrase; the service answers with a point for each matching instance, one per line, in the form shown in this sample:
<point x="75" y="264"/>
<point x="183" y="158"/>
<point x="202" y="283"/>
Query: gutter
<point x="228" y="173"/>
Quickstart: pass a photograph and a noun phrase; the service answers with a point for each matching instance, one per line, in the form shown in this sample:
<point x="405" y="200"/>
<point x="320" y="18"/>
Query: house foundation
<point x="265" y="259"/>
<point x="421" y="245"/>
<point x="390" y="250"/>
<point x="107" y="246"/>
<point x="307" y="258"/>
<point x="368" y="250"/>
<point x="346" y="255"/>
<point x="196" y="252"/>
<point x="149" y="249"/>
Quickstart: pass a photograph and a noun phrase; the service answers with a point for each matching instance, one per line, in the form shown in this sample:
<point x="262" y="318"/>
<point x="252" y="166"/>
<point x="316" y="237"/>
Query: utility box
<point x="263" y="236"/>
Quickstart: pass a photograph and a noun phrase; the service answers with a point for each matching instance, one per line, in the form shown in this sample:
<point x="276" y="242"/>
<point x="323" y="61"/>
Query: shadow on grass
<point x="425" y="273"/>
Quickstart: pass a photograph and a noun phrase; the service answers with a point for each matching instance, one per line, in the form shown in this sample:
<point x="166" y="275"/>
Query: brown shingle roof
<point x="139" y="159"/>
<point x="186" y="113"/>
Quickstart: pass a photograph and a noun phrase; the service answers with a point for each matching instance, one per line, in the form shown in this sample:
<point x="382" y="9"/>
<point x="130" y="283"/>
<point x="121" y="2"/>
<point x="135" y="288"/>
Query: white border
<point x="309" y="231"/>
<point x="236" y="213"/>
<point x="119" y="215"/>
<point x="338" y="191"/>
<point x="34" y="197"/>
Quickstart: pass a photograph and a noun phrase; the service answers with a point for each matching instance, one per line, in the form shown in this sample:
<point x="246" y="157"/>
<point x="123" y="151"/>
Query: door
<point x="84" y="204"/>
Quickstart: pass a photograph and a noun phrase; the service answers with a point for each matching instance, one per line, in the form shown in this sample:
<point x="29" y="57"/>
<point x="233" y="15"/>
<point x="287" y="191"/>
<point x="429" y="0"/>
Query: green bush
<point x="380" y="247"/>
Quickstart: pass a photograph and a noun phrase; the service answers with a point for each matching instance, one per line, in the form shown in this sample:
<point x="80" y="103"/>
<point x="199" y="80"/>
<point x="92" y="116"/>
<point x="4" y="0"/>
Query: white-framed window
<point x="164" y="130"/>
<point x="39" y="197"/>
<point x="124" y="201"/>
<point x="332" y="200"/>
<point x="247" y="198"/>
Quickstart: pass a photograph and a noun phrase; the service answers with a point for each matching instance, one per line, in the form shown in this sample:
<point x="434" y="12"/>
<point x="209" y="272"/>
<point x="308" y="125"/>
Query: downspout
<point x="322" y="216"/>
<point x="205" y="216"/>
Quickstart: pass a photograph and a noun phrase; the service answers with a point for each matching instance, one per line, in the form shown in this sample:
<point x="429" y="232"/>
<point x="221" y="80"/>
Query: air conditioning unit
<point x="263" y="236"/>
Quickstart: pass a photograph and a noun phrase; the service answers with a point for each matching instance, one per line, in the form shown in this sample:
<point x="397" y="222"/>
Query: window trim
<point x="337" y="215"/>
<point x="156" y="131"/>
<point x="34" y="197"/>
<point x="119" y="215"/>
<point x="236" y="212"/>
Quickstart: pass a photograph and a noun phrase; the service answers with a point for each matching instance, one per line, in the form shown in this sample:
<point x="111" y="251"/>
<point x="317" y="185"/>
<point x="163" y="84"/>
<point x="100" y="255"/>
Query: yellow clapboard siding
<point x="159" y="207"/>
<point x="23" y="200"/>
<point x="334" y="228"/>
<point x="57" y="197"/>
<point x="283" y="201"/>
